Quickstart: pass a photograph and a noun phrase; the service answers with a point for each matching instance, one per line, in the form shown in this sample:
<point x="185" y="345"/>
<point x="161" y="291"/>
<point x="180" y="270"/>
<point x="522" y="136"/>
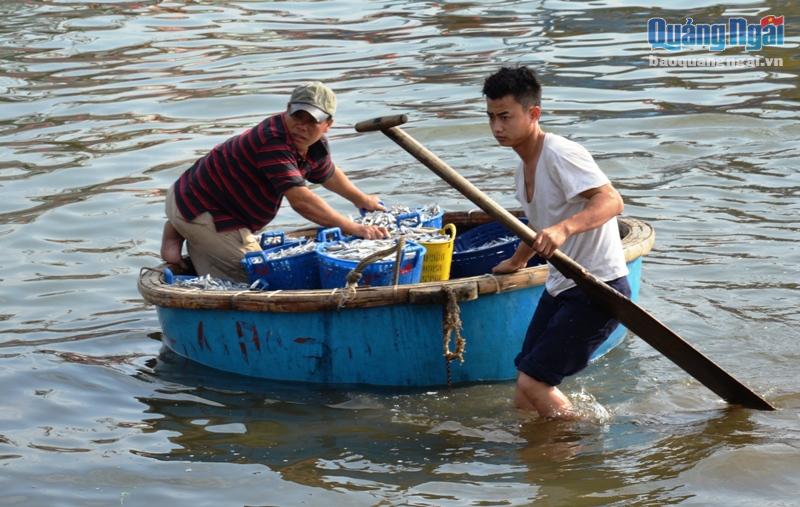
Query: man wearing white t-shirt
<point x="574" y="206"/>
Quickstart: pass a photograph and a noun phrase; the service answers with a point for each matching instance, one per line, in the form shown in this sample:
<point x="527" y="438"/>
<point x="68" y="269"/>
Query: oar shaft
<point x="626" y="311"/>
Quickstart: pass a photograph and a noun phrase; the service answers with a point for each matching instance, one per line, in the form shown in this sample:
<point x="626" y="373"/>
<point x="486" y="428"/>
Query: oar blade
<point x="679" y="351"/>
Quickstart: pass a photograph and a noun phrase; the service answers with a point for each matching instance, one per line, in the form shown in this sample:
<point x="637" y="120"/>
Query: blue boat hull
<point x="393" y="345"/>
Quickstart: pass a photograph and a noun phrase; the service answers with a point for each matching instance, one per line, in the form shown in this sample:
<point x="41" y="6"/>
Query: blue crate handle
<point x="414" y="248"/>
<point x="363" y="211"/>
<point x="169" y="276"/>
<point x="268" y="239"/>
<point x="414" y="215"/>
<point x="334" y="232"/>
<point x="251" y="258"/>
<point x="411" y="248"/>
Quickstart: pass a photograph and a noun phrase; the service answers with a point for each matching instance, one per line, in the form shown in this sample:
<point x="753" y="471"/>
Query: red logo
<point x="771" y="20"/>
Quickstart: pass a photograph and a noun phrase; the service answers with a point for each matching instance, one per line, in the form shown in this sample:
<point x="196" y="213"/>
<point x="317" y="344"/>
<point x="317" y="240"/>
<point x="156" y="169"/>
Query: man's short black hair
<point x="521" y="82"/>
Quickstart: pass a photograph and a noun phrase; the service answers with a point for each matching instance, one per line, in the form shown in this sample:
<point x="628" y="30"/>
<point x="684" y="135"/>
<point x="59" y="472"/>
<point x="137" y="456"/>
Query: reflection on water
<point x="384" y="442"/>
<point x="102" y="105"/>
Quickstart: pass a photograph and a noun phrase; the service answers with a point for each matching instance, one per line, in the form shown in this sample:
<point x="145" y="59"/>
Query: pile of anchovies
<point x="354" y="250"/>
<point x="428" y="212"/>
<point x="358" y="249"/>
<point x="422" y="234"/>
<point x="389" y="217"/>
<point x="208" y="282"/>
<point x="290" y="251"/>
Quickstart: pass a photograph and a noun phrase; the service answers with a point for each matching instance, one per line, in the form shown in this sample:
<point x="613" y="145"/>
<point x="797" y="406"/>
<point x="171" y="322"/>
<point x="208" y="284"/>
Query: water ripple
<point x="102" y="105"/>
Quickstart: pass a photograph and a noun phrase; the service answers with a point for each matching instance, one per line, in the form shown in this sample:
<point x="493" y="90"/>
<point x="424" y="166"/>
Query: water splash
<point x="587" y="408"/>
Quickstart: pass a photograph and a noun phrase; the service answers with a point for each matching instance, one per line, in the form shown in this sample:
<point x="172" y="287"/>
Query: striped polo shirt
<point x="241" y="182"/>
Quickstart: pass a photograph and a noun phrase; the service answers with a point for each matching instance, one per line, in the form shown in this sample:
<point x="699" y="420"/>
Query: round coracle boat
<point x="456" y="331"/>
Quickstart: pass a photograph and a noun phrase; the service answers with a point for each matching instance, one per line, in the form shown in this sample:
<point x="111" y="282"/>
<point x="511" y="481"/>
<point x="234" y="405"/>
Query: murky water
<point x="104" y="104"/>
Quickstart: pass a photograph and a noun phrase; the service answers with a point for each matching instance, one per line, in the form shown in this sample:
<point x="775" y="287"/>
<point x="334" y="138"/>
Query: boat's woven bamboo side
<point x="637" y="241"/>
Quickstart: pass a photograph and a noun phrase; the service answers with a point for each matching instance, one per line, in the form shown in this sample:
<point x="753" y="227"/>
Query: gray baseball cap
<point x="315" y="98"/>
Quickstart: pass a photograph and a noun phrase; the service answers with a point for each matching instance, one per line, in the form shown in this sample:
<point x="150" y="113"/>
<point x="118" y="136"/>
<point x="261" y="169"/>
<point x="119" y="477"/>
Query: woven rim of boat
<point x="637" y="240"/>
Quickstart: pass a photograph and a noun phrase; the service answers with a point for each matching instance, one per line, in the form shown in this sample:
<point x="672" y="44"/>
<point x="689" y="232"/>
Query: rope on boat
<point x="145" y="269"/>
<point x="342" y="296"/>
<point x="401" y="241"/>
<point x="497" y="286"/>
<point x="451" y="324"/>
<point x="353" y="277"/>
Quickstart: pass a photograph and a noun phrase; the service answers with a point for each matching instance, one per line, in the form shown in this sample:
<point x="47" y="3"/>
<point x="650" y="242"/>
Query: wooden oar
<point x="639" y="321"/>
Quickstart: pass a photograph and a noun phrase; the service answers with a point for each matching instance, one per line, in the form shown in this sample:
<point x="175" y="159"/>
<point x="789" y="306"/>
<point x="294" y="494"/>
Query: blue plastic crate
<point x="296" y="272"/>
<point x="468" y="261"/>
<point x="435" y="221"/>
<point x="333" y="272"/>
<point x="414" y="219"/>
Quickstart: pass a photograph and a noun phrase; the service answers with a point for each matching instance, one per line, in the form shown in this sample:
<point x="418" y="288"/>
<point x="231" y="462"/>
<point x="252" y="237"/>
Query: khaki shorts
<point x="218" y="254"/>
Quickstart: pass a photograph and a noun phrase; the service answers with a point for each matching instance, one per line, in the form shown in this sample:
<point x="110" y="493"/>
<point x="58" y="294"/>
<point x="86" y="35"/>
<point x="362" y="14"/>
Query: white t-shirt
<point x="564" y="170"/>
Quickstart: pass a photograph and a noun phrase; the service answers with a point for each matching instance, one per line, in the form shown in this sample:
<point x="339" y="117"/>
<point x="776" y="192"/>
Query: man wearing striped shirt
<point x="237" y="188"/>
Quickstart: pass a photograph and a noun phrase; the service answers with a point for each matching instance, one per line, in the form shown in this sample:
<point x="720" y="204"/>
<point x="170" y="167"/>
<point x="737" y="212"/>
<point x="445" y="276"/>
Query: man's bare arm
<point x="312" y="207"/>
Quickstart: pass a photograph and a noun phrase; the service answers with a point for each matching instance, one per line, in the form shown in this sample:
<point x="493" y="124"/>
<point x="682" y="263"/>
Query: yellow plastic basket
<point x="438" y="257"/>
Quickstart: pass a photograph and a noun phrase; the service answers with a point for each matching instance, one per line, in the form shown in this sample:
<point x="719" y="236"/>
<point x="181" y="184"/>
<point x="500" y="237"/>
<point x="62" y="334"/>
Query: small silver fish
<point x="429" y="212"/>
<point x="291" y="251"/>
<point x="423" y="235"/>
<point x="208" y="282"/>
<point x="389" y="218"/>
<point x="359" y="249"/>
<point x="492" y="243"/>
